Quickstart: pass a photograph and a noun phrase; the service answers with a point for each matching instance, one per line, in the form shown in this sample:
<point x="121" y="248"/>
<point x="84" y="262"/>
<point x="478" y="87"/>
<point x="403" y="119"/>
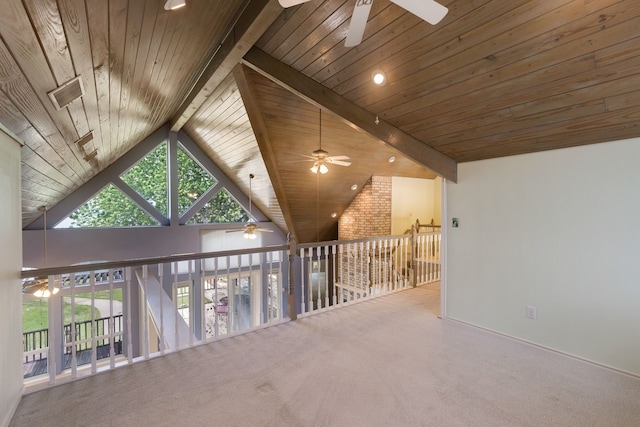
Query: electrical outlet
<point x="531" y="312"/>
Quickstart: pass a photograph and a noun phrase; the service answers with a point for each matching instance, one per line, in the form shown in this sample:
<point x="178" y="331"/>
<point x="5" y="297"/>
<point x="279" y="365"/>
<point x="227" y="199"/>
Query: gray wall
<point x="72" y="246"/>
<point x="10" y="289"/>
<point x="558" y="231"/>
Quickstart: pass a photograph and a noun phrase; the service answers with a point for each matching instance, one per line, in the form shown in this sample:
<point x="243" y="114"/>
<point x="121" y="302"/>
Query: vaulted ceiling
<point x="246" y="80"/>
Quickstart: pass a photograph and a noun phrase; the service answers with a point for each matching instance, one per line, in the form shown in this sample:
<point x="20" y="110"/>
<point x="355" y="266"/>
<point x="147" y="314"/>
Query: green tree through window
<point x="112" y="208"/>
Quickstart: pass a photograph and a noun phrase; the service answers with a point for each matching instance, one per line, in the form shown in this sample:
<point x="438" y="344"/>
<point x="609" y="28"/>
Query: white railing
<point x="172" y="303"/>
<point x="335" y="273"/>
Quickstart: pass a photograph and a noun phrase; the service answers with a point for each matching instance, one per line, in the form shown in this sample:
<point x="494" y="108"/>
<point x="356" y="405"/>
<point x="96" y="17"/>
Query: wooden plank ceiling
<point x="492" y="79"/>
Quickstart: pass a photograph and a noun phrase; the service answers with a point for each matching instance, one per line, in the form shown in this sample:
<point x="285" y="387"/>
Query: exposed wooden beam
<point x="355" y="116"/>
<point x="249" y="97"/>
<point x="254" y="20"/>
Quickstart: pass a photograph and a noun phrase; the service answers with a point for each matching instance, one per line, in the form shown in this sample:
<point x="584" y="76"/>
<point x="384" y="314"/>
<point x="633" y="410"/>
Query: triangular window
<point x="149" y="178"/>
<point x="193" y="181"/>
<point x="109" y="208"/>
<point x="222" y="208"/>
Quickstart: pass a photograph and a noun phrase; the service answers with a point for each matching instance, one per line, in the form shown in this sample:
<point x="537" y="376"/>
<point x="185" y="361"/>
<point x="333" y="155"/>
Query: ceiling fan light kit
<point x="319" y="167"/>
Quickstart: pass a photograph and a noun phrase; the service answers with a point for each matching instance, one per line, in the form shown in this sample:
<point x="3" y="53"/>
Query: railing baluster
<point x="72" y="329"/>
<point x="176" y="307"/>
<point x="145" y="312"/>
<point x="128" y="275"/>
<point x="112" y="326"/>
<point x="161" y="281"/>
<point x="94" y="344"/>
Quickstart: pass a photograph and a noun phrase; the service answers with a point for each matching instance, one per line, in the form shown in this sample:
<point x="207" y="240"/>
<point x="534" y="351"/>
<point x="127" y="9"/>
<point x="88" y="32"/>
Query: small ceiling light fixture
<point x="354" y="187"/>
<point x="392" y="159"/>
<point x="319" y="167"/>
<point x="334" y="214"/>
<point x="174" y="4"/>
<point x="378" y="77"/>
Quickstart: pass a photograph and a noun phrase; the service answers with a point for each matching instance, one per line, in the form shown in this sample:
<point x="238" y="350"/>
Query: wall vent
<point x="92" y="155"/>
<point x="67" y="93"/>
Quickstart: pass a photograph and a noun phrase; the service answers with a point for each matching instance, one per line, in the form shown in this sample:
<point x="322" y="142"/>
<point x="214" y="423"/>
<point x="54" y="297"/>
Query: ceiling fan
<point x="251" y="228"/>
<point x="321" y="158"/>
<point x="428" y="10"/>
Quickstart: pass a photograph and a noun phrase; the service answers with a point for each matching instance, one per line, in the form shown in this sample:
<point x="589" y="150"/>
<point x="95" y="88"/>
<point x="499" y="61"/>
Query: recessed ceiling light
<point x="378" y="77"/>
<point x="354" y="187"/>
<point x="392" y="159"/>
<point x="334" y="214"/>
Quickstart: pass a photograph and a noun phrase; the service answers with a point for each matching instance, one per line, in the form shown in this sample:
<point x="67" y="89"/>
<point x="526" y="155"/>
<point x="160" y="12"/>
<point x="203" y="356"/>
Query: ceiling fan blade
<point x="339" y="162"/>
<point x="358" y="22"/>
<point x="428" y="10"/>
<point x="266" y="230"/>
<point x="339" y="158"/>
<point x="289" y="3"/>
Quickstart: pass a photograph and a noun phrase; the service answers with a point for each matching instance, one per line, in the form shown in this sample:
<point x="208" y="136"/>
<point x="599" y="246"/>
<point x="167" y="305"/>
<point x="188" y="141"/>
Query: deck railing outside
<point x="145" y="308"/>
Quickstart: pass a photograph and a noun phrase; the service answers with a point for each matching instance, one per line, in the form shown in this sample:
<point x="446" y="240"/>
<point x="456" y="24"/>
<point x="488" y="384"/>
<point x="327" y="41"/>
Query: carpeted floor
<point x="385" y="362"/>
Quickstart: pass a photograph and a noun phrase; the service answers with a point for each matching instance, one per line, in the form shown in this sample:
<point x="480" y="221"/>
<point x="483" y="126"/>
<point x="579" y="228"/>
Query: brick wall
<point x="369" y="215"/>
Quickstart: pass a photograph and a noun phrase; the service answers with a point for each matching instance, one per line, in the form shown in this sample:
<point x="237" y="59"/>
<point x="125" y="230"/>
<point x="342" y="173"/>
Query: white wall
<point x="558" y="230"/>
<point x="411" y="199"/>
<point x="10" y="289"/>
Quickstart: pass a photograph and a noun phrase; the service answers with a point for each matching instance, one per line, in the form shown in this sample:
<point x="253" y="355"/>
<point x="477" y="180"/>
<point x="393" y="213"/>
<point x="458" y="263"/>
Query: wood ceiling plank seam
<point x="225" y="108"/>
<point x="48" y="27"/>
<point x="614" y="132"/>
<point x="516" y="70"/>
<point x="37" y="180"/>
<point x="74" y="18"/>
<point x="318" y="40"/>
<point x="218" y="97"/>
<point x="162" y="107"/>
<point x="117" y="39"/>
<point x="332" y="44"/>
<point x="38" y="195"/>
<point x="151" y="65"/>
<point x="599" y="87"/>
<point x="556" y="131"/>
<point x="33" y="158"/>
<point x="219" y="23"/>
<point x="245" y="86"/>
<point x="455" y="111"/>
<point x="543" y="49"/>
<point x="282" y="29"/>
<point x="620" y="52"/>
<point x="141" y="22"/>
<point x="23" y="57"/>
<point x="613" y="103"/>
<point x="246" y="27"/>
<point x="19" y="94"/>
<point x="98" y="31"/>
<point x="352" y="114"/>
<point x="504" y="129"/>
<point x="338" y="64"/>
<point x="239" y="145"/>
<point x="384" y="48"/>
<point x="305" y="31"/>
<point x="229" y="120"/>
<point x="440" y="66"/>
<point x="440" y="50"/>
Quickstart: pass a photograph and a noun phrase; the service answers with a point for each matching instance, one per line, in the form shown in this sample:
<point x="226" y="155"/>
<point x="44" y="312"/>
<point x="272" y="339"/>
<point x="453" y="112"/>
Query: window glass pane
<point x="222" y="208"/>
<point x="193" y="181"/>
<point x="149" y="178"/>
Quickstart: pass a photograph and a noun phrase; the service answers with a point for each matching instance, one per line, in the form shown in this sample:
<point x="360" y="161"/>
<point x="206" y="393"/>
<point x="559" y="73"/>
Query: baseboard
<point x="543" y="347"/>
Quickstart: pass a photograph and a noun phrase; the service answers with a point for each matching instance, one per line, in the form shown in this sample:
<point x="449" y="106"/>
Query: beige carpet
<point x="385" y="362"/>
